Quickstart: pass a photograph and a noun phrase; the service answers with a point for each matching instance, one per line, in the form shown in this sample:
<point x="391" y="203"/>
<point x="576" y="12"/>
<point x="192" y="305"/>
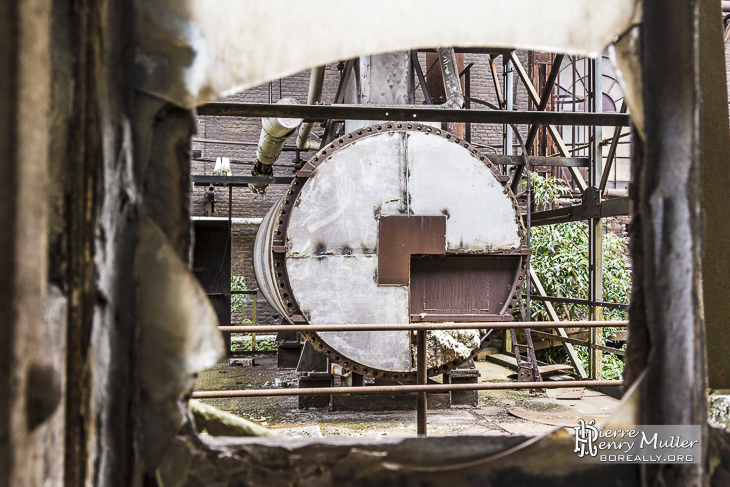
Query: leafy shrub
<point x="560" y="259"/>
<point x="242" y="343"/>
<point x="238" y="301"/>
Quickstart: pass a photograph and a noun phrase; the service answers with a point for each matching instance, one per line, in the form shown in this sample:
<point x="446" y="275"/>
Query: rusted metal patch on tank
<point x="461" y="287"/>
<point x="399" y="237"/>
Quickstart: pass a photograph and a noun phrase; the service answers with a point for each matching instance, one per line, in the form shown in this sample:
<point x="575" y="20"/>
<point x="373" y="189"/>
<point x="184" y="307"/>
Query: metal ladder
<point x="527" y="369"/>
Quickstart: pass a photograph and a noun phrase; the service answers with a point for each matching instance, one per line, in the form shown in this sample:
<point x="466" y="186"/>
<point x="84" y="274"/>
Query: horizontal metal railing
<point x="486" y="386"/>
<point x="499" y="325"/>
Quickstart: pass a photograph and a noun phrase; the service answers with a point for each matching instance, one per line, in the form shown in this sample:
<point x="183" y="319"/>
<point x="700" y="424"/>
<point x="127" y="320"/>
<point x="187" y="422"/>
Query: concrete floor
<point x="502" y="412"/>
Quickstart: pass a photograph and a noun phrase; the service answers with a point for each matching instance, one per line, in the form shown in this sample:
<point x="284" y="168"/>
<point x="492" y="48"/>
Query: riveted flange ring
<point x="291" y="200"/>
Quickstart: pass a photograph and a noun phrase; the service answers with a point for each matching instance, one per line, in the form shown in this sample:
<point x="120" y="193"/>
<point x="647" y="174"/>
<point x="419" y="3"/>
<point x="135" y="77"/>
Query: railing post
<point x="254" y="321"/>
<point x="421" y="380"/>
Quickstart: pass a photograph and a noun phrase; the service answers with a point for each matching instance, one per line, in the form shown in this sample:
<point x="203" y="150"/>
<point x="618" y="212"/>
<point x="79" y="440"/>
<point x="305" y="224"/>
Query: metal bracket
<point x="210" y="200"/>
<point x="591" y="204"/>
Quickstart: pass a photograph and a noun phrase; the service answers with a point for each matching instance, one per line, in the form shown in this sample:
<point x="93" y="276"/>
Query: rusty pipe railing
<point x="485" y="386"/>
<point x="504" y="325"/>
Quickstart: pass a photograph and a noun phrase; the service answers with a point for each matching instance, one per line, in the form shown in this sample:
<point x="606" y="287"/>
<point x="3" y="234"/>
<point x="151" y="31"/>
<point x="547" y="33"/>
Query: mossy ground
<point x="490" y="417"/>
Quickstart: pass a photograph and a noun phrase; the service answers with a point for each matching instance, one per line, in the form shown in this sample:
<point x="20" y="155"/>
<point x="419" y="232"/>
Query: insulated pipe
<point x="316" y="80"/>
<point x="450" y="74"/>
<point x="274" y="132"/>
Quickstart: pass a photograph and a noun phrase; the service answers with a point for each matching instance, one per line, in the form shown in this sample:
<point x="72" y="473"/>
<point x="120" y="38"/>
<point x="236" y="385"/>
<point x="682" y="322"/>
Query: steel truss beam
<point x="237" y="181"/>
<point x="409" y="113"/>
<point x="612" y="152"/>
<point x="546" y="92"/>
<point x="575" y="341"/>
<point x="607" y="208"/>
<point x="583" y="302"/>
<point x="562" y="148"/>
<point x="570" y="350"/>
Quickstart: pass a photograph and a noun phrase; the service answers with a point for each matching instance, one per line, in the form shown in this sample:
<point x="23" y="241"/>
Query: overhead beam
<point x="615" y="207"/>
<point x="607" y="208"/>
<point x="409" y="113"/>
<point x="237" y="181"/>
<point x="538" y="161"/>
<point x="495" y="51"/>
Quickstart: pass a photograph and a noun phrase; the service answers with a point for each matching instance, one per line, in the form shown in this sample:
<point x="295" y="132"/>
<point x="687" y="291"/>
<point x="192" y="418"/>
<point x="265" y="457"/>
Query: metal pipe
<point x="429" y="327"/>
<point x="337" y="369"/>
<point x="421" y="407"/>
<point x="274" y="132"/>
<point x="450" y="73"/>
<point x="316" y="80"/>
<point x="484" y="386"/>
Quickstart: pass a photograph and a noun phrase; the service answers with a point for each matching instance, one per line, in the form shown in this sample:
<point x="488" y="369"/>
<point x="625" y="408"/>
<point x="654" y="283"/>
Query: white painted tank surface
<point x="317" y="258"/>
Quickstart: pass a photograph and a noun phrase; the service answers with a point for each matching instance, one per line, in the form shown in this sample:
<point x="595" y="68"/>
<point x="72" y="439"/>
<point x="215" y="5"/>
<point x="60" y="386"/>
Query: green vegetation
<point x="238" y="301"/>
<point x="560" y="259"/>
<point x="242" y="343"/>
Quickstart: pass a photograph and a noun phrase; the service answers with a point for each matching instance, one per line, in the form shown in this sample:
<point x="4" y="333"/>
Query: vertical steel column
<point x="595" y="240"/>
<point x="467" y="103"/>
<point x="227" y="337"/>
<point x="421" y="410"/>
<point x="255" y="305"/>
<point x="507" y="136"/>
<point x="715" y="147"/>
<point x="253" y="321"/>
<point x="507" y="79"/>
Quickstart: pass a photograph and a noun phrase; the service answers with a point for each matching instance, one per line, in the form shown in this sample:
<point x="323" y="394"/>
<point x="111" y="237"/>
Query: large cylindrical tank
<point x="394" y="223"/>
